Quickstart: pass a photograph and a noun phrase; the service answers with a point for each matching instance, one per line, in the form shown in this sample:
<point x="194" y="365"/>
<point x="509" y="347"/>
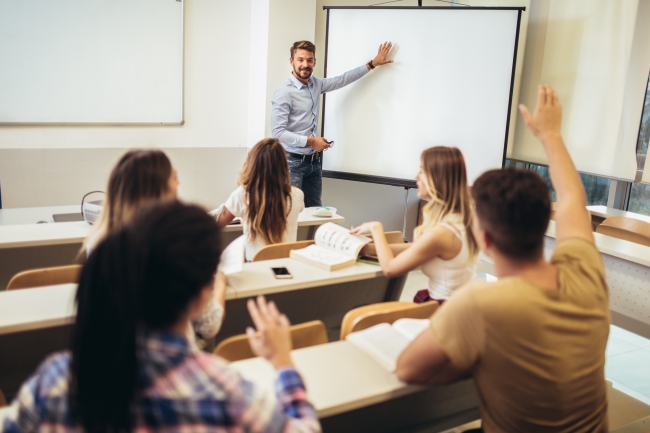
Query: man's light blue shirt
<point x="294" y="108"/>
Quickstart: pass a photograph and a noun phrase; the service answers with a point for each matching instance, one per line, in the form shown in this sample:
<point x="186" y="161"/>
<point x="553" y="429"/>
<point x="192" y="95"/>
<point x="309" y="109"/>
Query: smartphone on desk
<point x="282" y="273"/>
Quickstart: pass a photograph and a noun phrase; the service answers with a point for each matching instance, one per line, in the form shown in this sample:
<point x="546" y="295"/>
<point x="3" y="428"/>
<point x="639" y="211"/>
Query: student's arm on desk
<point x="371" y="250"/>
<point x="448" y="350"/>
<point x="225" y="218"/>
<point x="431" y="244"/>
<point x="571" y="215"/>
<point x="425" y="362"/>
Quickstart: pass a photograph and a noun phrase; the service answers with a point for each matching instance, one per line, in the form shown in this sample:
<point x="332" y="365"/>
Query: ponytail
<point x="141" y="277"/>
<point x="104" y="364"/>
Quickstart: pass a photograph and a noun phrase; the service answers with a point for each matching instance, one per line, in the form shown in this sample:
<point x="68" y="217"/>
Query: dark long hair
<point x="267" y="186"/>
<point x="140" y="178"/>
<point x="142" y="275"/>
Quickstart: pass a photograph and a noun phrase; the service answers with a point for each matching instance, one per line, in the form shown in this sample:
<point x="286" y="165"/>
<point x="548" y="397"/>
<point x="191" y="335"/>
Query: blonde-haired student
<point x="265" y="200"/>
<point x="444" y="246"/>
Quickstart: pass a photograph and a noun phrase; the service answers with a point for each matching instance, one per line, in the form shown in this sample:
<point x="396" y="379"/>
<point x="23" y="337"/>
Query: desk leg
<point x="394" y="289"/>
<point x="306" y="233"/>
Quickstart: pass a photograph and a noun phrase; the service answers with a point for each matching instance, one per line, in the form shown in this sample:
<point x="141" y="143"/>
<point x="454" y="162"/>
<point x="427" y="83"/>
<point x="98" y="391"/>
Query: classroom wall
<point x="73" y="159"/>
<point x="50" y="177"/>
<point x="275" y="26"/>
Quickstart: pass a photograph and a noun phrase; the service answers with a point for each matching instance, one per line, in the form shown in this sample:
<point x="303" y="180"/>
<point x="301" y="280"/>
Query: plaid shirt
<point x="182" y="390"/>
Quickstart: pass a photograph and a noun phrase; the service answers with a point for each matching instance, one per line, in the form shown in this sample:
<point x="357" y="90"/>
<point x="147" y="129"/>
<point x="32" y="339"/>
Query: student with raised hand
<point x="265" y="200"/>
<point x="444" y="245"/>
<point x="141" y="178"/>
<point x="131" y="367"/>
<point x="535" y="340"/>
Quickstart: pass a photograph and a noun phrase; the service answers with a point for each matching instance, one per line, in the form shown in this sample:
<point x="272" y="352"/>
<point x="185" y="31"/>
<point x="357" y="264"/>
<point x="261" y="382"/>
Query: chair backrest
<point x="45" y="277"/>
<point x="629" y="229"/>
<point x="384" y="312"/>
<point x="392" y="237"/>
<point x="279" y="251"/>
<point x="3" y="400"/>
<point x="302" y="335"/>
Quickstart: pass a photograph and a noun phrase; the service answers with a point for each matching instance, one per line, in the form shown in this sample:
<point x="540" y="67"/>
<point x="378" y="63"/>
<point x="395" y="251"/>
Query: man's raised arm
<point x="334" y="83"/>
<point x="571" y="215"/>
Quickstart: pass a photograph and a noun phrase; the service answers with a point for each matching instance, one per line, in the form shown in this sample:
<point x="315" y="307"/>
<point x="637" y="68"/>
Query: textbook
<point x="334" y="248"/>
<point x="384" y="343"/>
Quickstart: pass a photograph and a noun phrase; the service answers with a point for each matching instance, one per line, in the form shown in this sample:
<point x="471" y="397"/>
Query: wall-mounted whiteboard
<point x="451" y="84"/>
<point x="91" y="61"/>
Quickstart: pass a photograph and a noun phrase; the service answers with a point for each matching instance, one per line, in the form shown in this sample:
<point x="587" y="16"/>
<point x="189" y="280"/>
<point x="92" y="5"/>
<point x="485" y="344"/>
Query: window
<point x="639" y="201"/>
<point x="597" y="188"/>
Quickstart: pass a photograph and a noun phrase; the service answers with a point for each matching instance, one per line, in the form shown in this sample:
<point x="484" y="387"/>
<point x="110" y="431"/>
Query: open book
<point x="384" y="342"/>
<point x="334" y="248"/>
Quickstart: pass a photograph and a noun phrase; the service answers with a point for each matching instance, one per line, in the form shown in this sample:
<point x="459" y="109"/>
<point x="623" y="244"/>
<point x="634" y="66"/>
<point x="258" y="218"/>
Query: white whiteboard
<point x="91" y="61"/>
<point x="450" y="85"/>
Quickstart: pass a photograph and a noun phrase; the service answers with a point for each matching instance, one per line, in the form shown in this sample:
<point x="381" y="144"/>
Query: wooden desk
<point x="352" y="393"/>
<point x="312" y="293"/>
<point x="29" y="245"/>
<point x="32" y="215"/>
<point x="35" y="322"/>
<point x="604" y="212"/>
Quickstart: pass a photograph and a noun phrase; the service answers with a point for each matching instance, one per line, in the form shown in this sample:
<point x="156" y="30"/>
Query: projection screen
<point x="451" y="84"/>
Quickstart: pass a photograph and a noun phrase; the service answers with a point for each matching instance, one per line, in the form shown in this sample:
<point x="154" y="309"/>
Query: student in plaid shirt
<point x="131" y="367"/>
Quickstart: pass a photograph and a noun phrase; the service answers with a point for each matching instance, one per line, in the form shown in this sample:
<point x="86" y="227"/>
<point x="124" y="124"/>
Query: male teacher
<point x="294" y="115"/>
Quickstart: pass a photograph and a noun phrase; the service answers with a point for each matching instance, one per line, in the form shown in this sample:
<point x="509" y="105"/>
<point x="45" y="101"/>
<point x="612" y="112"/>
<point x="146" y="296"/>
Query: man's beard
<point x="303" y="73"/>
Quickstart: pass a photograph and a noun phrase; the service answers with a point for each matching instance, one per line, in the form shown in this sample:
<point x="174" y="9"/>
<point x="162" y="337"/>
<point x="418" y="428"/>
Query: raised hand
<point x="382" y="52"/>
<point x="547" y="119"/>
<point x="272" y="339"/>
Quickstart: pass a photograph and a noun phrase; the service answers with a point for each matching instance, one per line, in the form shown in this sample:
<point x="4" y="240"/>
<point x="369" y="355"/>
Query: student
<point x="265" y="200"/>
<point x="131" y="367"/>
<point x="534" y="341"/>
<point x="444" y="245"/>
<point x="140" y="178"/>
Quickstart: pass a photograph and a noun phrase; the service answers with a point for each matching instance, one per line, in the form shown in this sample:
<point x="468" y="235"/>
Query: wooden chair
<point x="302" y="335"/>
<point x="279" y="251"/>
<point x="3" y="400"/>
<point x="392" y="237"/>
<point x="628" y="229"/>
<point x="45" y="277"/>
<point x="385" y="312"/>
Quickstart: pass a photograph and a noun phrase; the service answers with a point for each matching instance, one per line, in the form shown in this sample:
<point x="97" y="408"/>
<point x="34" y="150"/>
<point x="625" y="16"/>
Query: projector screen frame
<point x="358" y="177"/>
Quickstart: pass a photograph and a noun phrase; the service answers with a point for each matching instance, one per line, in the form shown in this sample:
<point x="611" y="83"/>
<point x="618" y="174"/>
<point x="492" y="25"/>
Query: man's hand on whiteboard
<point x="382" y="52"/>
<point x="318" y="143"/>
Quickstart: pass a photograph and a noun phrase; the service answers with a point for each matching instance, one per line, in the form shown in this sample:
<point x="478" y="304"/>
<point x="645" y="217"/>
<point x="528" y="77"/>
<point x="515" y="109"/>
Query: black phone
<point x="281" y="272"/>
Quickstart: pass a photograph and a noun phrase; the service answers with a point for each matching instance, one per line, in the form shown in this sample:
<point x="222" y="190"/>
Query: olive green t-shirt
<point x="537" y="355"/>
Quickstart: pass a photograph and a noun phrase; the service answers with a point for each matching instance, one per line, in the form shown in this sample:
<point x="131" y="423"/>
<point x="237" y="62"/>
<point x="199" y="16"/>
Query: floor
<point x="627" y="363"/>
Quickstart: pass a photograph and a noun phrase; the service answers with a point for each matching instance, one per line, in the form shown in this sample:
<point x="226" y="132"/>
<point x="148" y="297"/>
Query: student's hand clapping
<point x="272" y="339"/>
<point x="547" y="120"/>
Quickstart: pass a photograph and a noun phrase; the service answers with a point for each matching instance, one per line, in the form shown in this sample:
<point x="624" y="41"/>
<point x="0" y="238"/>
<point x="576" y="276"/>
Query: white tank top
<point x="445" y="276"/>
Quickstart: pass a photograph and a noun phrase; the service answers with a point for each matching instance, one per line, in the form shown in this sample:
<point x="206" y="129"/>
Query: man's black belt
<point x="303" y="158"/>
